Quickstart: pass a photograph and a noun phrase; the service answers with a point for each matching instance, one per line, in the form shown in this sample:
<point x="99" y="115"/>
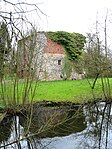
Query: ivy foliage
<point x="66" y="69"/>
<point x="73" y="43"/>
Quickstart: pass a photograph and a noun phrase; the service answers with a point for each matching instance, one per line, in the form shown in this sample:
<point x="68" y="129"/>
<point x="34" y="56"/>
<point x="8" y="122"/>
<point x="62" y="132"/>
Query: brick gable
<point x="53" y="47"/>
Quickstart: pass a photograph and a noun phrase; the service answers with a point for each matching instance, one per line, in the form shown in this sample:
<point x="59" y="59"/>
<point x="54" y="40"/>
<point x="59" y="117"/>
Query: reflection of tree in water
<point x="51" y="122"/>
<point x="5" y="129"/>
<point x="92" y="122"/>
<point x="98" y="117"/>
<point x="26" y="130"/>
<point x="55" y="121"/>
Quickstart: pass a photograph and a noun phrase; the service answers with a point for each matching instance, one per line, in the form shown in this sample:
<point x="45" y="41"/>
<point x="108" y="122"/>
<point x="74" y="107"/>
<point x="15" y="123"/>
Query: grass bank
<point x="77" y="91"/>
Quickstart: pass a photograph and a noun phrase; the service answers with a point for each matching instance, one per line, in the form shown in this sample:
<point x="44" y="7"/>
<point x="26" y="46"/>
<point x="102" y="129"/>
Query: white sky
<point x="70" y="15"/>
<point x="73" y="15"/>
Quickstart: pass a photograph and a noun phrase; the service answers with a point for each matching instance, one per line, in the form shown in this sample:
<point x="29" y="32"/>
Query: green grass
<point x="77" y="91"/>
<point x="63" y="91"/>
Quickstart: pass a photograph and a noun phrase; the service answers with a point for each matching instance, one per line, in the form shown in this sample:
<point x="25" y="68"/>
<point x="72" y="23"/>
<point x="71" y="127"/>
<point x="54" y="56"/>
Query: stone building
<point x="40" y="57"/>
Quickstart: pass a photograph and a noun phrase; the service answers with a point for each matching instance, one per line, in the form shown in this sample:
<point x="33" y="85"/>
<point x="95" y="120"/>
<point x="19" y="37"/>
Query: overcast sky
<point x="68" y="15"/>
<point x="73" y="15"/>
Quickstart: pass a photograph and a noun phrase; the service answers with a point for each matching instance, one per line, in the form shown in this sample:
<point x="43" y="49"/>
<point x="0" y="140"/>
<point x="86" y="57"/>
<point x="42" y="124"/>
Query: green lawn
<point x="75" y="91"/>
<point x="78" y="91"/>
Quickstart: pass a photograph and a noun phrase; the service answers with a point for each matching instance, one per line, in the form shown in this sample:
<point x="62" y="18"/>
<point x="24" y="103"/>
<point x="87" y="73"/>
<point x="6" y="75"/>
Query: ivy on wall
<point x="66" y="69"/>
<point x="73" y="43"/>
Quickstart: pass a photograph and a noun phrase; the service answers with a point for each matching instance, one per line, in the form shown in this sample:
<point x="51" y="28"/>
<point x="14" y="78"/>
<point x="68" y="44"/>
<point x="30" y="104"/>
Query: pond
<point x="59" y="127"/>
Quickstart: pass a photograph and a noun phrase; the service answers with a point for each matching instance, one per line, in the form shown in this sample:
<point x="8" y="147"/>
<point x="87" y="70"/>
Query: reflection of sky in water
<point x="85" y="139"/>
<point x="75" y="141"/>
<point x="68" y="142"/>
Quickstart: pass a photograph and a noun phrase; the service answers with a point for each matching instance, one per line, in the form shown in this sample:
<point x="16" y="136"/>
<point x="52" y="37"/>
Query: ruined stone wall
<point x="53" y="66"/>
<point x="30" y="54"/>
<point x="52" y="61"/>
<point x="45" y="57"/>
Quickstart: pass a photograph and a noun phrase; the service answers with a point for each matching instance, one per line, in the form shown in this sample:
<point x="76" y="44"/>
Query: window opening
<point x="59" y="62"/>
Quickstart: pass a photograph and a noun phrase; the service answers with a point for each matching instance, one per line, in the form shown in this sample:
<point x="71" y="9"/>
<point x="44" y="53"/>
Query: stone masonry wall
<point x="48" y="57"/>
<point x="53" y="66"/>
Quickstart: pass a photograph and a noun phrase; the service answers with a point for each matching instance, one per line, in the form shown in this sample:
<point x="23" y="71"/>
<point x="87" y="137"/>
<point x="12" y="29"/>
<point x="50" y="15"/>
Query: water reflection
<point x="65" y="127"/>
<point x="54" y="121"/>
<point x="99" y="119"/>
<point x="6" y="128"/>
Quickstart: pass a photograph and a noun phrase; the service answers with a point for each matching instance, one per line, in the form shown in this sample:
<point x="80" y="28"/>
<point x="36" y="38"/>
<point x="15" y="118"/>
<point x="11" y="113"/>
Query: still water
<point x="59" y="127"/>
